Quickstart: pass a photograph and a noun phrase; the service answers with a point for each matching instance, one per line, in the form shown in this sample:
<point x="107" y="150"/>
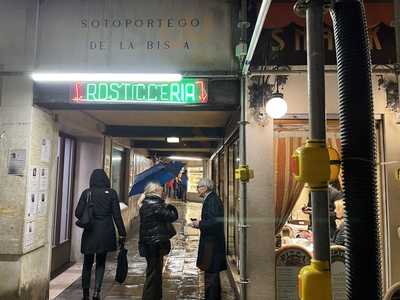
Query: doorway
<point x="61" y="238"/>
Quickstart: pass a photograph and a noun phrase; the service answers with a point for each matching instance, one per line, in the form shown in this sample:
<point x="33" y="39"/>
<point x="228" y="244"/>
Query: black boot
<point x="96" y="295"/>
<point x="85" y="294"/>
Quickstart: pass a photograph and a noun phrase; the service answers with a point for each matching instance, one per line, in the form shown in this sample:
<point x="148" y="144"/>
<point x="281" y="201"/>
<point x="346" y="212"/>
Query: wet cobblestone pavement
<point x="181" y="279"/>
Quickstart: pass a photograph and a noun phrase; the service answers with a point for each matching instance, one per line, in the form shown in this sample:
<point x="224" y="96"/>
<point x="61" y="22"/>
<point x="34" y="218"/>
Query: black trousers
<point x="152" y="289"/>
<point x="87" y="269"/>
<point x="212" y="285"/>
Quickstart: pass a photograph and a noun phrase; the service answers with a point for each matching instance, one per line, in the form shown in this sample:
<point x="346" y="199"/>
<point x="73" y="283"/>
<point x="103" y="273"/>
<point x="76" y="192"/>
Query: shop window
<point x="221" y="177"/>
<point x="194" y="174"/>
<point x="233" y="202"/>
<point x="215" y="173"/>
<point x="118" y="169"/>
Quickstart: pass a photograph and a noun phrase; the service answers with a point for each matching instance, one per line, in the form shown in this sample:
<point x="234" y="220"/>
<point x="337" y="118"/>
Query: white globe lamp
<point x="276" y="106"/>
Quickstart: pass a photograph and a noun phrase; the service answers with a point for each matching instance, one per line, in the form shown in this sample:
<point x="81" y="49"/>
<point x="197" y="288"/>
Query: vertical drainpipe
<point x="316" y="93"/>
<point x="243" y="193"/>
<point x="242" y="156"/>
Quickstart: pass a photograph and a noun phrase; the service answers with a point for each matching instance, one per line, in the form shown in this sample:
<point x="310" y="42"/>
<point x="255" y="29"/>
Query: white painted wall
<point x="296" y="94"/>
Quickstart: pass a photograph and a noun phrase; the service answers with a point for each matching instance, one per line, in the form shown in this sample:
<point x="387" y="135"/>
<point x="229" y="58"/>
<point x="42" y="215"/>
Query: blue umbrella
<point x="143" y="178"/>
<point x="160" y="173"/>
<point x="175" y="167"/>
<point x="148" y="172"/>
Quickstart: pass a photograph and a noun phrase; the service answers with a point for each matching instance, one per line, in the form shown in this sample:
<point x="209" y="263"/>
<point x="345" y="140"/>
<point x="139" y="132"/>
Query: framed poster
<point x="289" y="260"/>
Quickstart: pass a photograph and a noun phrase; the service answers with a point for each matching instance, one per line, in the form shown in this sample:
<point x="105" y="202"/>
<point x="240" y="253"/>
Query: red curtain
<point x="287" y="189"/>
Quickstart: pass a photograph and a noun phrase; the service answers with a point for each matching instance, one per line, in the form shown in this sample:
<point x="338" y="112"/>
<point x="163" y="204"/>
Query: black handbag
<point x="85" y="221"/>
<point x="122" y="265"/>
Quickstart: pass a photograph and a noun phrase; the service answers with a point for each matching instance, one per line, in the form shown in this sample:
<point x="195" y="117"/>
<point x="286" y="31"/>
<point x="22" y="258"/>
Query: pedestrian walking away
<point x="184" y="182"/>
<point x="99" y="237"/>
<point x="155" y="233"/>
<point x="211" y="253"/>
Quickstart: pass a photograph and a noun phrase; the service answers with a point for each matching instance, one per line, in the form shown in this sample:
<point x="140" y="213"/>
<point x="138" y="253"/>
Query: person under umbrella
<point x="100" y="238"/>
<point x="154" y="237"/>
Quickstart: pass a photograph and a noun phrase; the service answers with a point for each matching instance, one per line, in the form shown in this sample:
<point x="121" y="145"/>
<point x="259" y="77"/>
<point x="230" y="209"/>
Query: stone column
<point x="25" y="238"/>
<point x="260" y="210"/>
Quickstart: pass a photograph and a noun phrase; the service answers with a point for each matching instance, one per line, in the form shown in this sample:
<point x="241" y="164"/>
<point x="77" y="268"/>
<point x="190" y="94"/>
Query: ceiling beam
<point x="186" y="139"/>
<point x="139" y="107"/>
<point x="160" y="131"/>
<point x="181" y="149"/>
<point x="177" y="153"/>
<point x="182" y="145"/>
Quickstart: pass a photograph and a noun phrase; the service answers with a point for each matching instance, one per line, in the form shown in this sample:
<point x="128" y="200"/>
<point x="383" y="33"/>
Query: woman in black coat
<point x="154" y="237"/>
<point x="100" y="238"/>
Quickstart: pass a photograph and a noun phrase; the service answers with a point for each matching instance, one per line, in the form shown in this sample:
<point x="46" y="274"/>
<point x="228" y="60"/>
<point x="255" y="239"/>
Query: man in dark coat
<point x="100" y="238"/>
<point x="212" y="254"/>
<point x="333" y="195"/>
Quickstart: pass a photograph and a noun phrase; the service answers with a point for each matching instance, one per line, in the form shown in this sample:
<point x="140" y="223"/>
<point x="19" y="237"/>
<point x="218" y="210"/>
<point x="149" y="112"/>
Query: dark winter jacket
<point x="154" y="232"/>
<point x="338" y="236"/>
<point x="101" y="236"/>
<point x="212" y="255"/>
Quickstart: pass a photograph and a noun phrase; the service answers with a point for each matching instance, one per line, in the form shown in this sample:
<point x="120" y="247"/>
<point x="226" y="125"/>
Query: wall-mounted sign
<point x="288" y="46"/>
<point x="288" y="263"/>
<point x="125" y="35"/>
<point x="186" y="91"/>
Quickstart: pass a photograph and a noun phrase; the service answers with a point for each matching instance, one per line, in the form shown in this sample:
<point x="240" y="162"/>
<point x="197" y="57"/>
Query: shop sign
<point x="137" y="36"/>
<point x="186" y="91"/>
<point x="288" y="46"/>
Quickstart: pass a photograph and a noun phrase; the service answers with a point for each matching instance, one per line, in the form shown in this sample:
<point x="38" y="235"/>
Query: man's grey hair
<point x="205" y="182"/>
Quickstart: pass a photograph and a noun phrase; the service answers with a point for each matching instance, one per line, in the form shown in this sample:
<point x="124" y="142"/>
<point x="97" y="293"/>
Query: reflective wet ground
<point x="181" y="279"/>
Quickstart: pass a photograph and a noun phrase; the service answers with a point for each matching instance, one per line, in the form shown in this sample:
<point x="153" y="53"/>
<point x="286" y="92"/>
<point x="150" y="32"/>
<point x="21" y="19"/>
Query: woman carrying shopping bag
<point x="155" y="233"/>
<point x="99" y="236"/>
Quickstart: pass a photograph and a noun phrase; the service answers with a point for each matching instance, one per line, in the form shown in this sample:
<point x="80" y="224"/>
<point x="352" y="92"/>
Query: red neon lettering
<point x="203" y="94"/>
<point x="78" y="93"/>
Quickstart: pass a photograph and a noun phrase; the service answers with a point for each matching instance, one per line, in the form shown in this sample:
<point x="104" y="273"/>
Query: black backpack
<point x="87" y="217"/>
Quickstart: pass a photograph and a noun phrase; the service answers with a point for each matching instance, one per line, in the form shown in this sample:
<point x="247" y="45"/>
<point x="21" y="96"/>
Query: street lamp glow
<point x="276" y="106"/>
<point x="185" y="158"/>
<point x="172" y="139"/>
<point x="106" y="77"/>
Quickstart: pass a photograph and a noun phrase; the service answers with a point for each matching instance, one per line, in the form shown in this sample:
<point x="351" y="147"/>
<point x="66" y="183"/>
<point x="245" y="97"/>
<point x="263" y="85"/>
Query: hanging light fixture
<point x="276" y="107"/>
<point x="265" y="97"/>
